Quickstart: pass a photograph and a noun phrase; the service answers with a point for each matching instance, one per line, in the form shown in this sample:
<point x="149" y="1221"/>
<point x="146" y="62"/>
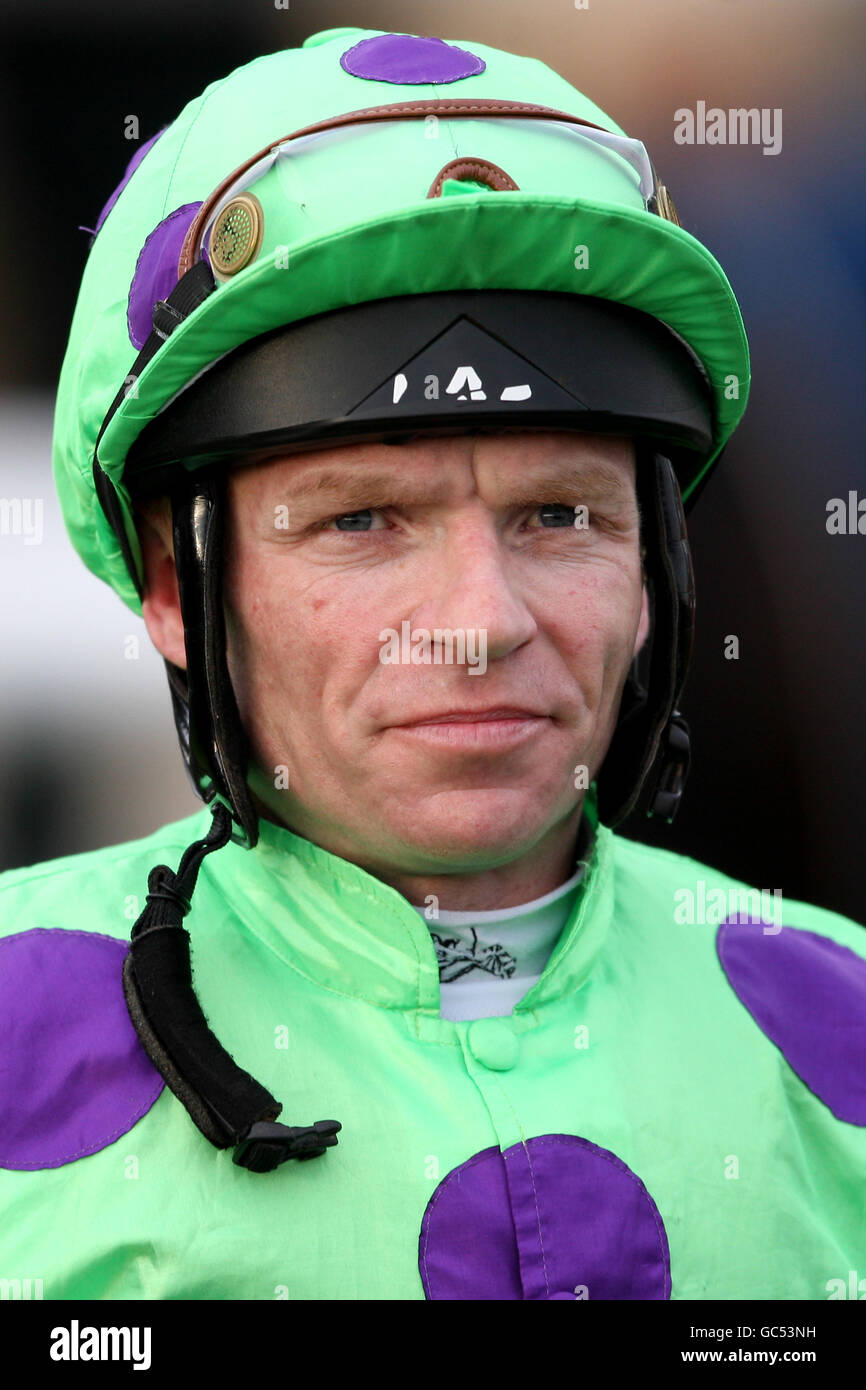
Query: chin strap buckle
<point x="266" y="1144"/>
<point x="674" y="756"/>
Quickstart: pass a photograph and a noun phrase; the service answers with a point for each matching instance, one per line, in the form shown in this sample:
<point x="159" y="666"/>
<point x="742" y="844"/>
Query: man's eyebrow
<point x="371" y="489"/>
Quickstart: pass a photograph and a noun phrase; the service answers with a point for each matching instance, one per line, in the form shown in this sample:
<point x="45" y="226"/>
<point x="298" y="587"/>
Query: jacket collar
<point x="347" y="931"/>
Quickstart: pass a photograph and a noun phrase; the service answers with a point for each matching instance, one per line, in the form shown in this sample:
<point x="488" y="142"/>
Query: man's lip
<point x="470" y="716"/>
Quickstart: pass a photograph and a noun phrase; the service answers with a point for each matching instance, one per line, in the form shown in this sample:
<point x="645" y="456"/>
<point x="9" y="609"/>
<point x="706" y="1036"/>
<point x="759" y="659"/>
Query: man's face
<point x="330" y="550"/>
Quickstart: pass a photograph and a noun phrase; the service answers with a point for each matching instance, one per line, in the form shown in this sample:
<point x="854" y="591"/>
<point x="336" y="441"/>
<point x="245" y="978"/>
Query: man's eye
<point x="556" y="514"/>
<point x="357" y="521"/>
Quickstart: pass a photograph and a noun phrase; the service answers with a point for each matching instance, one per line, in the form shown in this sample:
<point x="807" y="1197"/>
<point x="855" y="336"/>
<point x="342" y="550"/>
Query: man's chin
<point x="452" y="831"/>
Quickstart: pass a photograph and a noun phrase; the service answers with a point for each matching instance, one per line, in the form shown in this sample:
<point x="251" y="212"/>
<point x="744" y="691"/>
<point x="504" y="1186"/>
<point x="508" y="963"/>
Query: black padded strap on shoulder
<point x="226" y="1103"/>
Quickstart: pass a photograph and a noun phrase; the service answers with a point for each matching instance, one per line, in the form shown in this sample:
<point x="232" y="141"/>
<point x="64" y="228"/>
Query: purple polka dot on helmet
<point x="156" y="271"/>
<point x="408" y="58"/>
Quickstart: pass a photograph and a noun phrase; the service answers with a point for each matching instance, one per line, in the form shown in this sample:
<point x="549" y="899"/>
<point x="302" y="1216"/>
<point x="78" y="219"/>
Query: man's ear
<point x="160" y="606"/>
<point x="644" y="624"/>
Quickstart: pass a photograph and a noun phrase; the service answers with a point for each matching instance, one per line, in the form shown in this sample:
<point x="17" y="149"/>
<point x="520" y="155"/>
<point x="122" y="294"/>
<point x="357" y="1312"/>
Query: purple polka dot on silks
<point x="555" y="1217"/>
<point x="405" y="59"/>
<point x="808" y="994"/>
<point x="130" y="170"/>
<point x="75" y="1076"/>
<point x="156" y="271"/>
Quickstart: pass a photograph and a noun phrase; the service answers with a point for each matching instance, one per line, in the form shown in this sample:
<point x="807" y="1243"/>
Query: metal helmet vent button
<point x="237" y="235"/>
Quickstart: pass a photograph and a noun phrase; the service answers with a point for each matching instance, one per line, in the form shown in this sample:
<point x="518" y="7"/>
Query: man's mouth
<point x="493" y="729"/>
<point x="470" y="716"/>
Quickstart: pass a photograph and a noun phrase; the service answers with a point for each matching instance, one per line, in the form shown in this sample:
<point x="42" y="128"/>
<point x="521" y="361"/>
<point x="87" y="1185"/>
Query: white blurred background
<point x="87" y="745"/>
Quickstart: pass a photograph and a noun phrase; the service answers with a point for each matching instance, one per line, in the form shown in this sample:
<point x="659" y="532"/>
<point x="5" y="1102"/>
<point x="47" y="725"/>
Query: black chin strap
<point x="227" y="1104"/>
<point x="648" y="758"/>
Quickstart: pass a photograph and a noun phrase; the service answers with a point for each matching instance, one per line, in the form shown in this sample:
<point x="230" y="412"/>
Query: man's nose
<point x="473" y="584"/>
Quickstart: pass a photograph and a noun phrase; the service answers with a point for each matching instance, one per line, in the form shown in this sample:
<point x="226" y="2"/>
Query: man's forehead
<point x="423" y="460"/>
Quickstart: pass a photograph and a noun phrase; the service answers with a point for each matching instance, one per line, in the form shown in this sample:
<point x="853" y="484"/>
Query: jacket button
<point x="493" y="1044"/>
